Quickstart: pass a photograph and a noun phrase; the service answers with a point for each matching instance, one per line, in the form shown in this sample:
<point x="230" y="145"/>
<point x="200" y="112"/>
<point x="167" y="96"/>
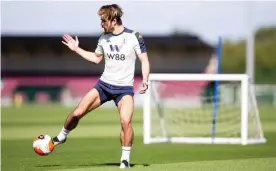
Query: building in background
<point x="41" y="67"/>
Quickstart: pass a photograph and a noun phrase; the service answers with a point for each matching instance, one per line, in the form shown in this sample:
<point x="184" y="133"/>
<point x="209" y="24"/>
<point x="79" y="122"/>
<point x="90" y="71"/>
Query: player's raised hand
<point x="70" y="42"/>
<point x="144" y="87"/>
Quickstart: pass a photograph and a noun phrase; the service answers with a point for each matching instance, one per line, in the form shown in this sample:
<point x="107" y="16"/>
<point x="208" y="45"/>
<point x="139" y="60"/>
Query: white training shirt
<point x="120" y="52"/>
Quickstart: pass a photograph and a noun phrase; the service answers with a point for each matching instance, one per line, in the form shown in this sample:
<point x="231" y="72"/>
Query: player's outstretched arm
<point x="73" y="44"/>
<point x="145" y="70"/>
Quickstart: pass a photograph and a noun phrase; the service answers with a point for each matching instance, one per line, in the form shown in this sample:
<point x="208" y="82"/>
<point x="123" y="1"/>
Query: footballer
<point x="119" y="47"/>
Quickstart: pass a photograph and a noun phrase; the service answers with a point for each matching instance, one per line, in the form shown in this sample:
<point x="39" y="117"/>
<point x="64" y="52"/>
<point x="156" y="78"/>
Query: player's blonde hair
<point x="111" y="12"/>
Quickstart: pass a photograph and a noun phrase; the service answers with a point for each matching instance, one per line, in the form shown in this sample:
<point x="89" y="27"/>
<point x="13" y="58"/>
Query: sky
<point x="207" y="19"/>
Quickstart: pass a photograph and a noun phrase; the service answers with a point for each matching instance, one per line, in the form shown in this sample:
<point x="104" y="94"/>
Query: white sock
<point x="63" y="134"/>
<point x="125" y="153"/>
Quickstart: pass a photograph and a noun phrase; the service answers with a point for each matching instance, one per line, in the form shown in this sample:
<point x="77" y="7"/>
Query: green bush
<point x="234" y="56"/>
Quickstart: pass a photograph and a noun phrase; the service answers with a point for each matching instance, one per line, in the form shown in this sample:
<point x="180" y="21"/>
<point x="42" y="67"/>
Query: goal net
<point x="201" y="108"/>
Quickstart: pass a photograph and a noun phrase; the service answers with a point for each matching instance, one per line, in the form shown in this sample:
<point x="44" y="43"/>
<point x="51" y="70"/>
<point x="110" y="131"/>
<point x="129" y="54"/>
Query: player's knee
<point x="125" y="122"/>
<point x="78" y="113"/>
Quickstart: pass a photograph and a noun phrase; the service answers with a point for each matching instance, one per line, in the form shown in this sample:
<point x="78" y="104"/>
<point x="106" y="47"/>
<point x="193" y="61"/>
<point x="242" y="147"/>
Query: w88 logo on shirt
<point x="116" y="56"/>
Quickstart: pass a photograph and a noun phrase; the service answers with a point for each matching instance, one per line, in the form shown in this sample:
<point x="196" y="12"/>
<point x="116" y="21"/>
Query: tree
<point x="233" y="56"/>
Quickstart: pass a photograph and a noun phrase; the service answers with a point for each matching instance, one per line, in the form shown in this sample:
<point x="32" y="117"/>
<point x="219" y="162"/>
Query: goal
<point x="202" y="109"/>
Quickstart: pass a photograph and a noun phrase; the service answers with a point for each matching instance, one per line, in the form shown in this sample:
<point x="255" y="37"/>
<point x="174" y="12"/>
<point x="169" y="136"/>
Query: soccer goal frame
<point x="246" y="89"/>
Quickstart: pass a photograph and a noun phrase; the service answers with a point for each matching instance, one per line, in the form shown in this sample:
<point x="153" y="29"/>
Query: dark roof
<point x="90" y="42"/>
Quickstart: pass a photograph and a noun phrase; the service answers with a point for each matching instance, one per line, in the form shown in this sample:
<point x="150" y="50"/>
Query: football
<point x="43" y="145"/>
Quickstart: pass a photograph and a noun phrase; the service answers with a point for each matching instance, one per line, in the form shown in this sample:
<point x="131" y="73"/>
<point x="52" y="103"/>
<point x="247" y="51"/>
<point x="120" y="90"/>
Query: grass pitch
<point x="94" y="145"/>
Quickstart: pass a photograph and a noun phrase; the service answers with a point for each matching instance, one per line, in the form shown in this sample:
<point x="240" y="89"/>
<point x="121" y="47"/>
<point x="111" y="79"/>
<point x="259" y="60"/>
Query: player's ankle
<point x="125" y="153"/>
<point x="63" y="134"/>
<point x="61" y="137"/>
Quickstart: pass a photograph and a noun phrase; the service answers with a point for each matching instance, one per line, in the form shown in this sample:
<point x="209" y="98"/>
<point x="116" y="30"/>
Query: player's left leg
<point x="126" y="107"/>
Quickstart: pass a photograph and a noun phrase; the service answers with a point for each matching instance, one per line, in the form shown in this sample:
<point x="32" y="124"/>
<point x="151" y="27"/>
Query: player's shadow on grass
<point x="95" y="165"/>
<point x="49" y="165"/>
<point x="113" y="164"/>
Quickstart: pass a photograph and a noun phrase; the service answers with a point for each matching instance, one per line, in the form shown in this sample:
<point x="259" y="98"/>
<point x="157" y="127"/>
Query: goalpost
<point x="186" y="108"/>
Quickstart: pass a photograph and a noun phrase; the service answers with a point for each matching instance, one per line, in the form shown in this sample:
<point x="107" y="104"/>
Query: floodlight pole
<point x="250" y="60"/>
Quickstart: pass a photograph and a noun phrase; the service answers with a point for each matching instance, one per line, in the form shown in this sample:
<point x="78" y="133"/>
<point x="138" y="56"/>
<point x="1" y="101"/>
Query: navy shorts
<point x="109" y="92"/>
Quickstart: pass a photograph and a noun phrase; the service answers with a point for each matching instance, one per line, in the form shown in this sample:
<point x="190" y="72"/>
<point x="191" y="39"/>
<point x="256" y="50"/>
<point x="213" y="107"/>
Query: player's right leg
<point x="90" y="101"/>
